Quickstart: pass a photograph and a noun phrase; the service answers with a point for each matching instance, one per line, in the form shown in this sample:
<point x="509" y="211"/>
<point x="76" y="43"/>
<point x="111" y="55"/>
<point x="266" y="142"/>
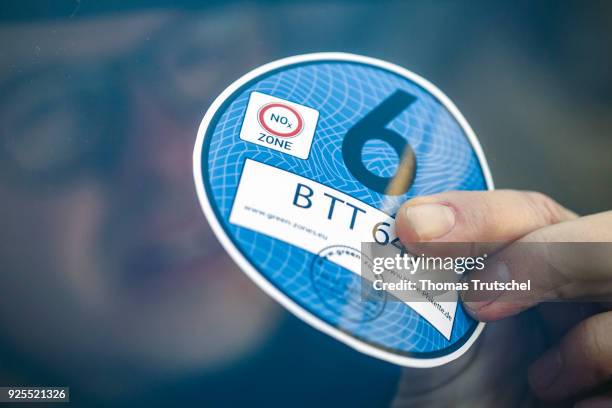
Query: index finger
<point x="567" y="261"/>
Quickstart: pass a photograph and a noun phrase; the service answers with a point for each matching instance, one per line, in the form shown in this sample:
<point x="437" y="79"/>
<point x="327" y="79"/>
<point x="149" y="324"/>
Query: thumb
<point x="491" y="217"/>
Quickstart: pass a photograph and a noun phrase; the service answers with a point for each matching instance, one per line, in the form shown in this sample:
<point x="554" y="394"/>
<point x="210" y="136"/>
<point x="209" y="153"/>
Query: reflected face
<point x="103" y="242"/>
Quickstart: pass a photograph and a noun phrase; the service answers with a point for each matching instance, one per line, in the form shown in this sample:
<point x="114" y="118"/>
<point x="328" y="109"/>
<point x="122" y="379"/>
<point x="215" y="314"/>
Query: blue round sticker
<point x="303" y="159"/>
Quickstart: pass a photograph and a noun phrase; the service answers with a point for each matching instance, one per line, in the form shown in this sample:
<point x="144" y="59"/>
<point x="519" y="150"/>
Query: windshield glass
<point x="112" y="281"/>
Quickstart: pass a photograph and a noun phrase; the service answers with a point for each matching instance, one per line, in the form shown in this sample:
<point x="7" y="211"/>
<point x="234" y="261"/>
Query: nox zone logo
<point x="281" y="120"/>
<point x="280" y="125"/>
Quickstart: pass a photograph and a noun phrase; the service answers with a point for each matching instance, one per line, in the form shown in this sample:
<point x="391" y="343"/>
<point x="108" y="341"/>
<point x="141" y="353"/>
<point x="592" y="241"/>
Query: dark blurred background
<point x="111" y="281"/>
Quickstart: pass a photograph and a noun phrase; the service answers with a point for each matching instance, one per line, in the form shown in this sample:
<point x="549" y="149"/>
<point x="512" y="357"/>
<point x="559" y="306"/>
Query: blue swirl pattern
<point x="343" y="93"/>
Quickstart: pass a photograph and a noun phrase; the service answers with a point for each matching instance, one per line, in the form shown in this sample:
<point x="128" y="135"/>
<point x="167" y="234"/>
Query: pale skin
<point x="579" y="364"/>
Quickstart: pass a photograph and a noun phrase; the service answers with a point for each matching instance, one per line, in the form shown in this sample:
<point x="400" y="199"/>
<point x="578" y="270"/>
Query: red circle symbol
<point x="292" y="132"/>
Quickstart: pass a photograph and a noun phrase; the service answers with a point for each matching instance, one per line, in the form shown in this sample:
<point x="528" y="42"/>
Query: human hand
<point x="501" y="221"/>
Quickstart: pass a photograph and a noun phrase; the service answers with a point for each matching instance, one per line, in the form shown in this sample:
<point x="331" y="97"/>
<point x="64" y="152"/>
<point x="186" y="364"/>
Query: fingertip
<point x="424" y="221"/>
<point x="481" y="312"/>
<point x="490" y="310"/>
<point x="403" y="229"/>
<point x="473" y="308"/>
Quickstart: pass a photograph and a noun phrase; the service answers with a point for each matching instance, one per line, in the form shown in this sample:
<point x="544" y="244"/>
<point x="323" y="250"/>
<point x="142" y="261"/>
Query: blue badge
<point x="301" y="160"/>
